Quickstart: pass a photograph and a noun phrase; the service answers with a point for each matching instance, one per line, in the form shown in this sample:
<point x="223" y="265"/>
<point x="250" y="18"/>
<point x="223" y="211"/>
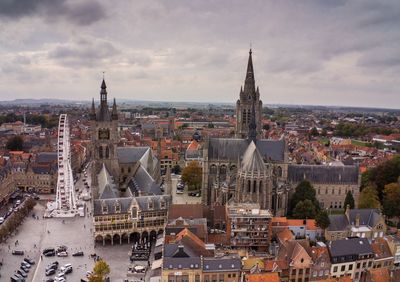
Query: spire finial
<point x="103" y="74"/>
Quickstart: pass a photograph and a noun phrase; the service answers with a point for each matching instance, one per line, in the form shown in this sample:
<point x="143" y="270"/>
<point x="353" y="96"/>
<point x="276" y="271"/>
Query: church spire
<point x="93" y="111"/>
<point x="252" y="136"/>
<point x="104" y="113"/>
<point x="114" y="113"/>
<point x="249" y="83"/>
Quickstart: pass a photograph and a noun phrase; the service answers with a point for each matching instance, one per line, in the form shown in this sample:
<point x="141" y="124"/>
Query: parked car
<point x="18" y="252"/>
<point x="50" y="271"/>
<point x="22" y="273"/>
<point x="61" y="248"/>
<point x="78" y="254"/>
<point x="17" y="278"/>
<point x="178" y="191"/>
<point x="25" y="264"/>
<point x="28" y="260"/>
<point x="62" y="254"/>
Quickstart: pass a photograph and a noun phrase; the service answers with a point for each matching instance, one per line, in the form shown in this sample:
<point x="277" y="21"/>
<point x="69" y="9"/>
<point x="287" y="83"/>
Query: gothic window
<point x="248" y="186"/>
<point x="150" y="204"/>
<point x="107" y="152"/>
<point x="254" y="186"/>
<point x="279" y="171"/>
<point x="100" y="152"/>
<point x="213" y="169"/>
<point x="222" y="173"/>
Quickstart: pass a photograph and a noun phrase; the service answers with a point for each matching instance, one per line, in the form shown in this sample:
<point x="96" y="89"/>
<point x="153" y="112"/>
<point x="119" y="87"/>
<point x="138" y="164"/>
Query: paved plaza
<point x="34" y="235"/>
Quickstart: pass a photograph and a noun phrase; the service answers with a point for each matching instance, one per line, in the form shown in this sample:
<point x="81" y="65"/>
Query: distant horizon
<point x="142" y="102"/>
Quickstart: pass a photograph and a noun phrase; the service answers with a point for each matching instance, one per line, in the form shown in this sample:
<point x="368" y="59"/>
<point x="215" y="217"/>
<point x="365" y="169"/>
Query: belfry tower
<point x="104" y="131"/>
<point x="248" y="106"/>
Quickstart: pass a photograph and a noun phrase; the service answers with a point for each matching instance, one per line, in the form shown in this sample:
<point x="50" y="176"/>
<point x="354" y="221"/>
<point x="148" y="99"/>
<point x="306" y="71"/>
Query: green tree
<point x="304" y="191"/>
<point x="266" y="127"/>
<point x="322" y="219"/>
<point x="15" y="143"/>
<point x="100" y="272"/>
<point x="304" y="209"/>
<point x="349" y="200"/>
<point x="176" y="169"/>
<point x="192" y="175"/>
<point x="391" y="200"/>
<point x="369" y="198"/>
<point x="314" y="131"/>
<point x="385" y="173"/>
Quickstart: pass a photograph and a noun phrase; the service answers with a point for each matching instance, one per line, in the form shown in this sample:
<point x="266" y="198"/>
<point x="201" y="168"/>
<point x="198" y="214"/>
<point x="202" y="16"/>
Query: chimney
<point x="358" y="220"/>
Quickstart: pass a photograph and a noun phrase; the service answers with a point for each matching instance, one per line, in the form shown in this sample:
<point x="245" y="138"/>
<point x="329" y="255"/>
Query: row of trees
<point x="44" y="120"/>
<point x="15" y="219"/>
<point x="358" y="130"/>
<point x="380" y="188"/>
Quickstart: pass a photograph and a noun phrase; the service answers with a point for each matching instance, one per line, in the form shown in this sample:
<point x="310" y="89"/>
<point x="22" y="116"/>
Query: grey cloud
<point x="83" y="53"/>
<point x="78" y="13"/>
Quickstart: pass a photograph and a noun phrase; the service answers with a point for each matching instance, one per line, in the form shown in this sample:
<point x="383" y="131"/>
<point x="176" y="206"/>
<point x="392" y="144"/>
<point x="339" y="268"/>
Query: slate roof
<point x="252" y="160"/>
<point x="144" y="183"/>
<point x="46" y="157"/>
<point x="126" y="203"/>
<point x="323" y="174"/>
<point x="368" y="217"/>
<point x="130" y="154"/>
<point x="228" y="263"/>
<point x="350" y="246"/>
<point x="233" y="149"/>
<point x="107" y="187"/>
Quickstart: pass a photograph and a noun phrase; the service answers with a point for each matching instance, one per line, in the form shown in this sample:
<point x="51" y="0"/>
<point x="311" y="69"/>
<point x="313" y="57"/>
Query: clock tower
<point x="104" y="132"/>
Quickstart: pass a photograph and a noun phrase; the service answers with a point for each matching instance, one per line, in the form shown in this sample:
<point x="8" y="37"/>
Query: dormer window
<point x="150" y="204"/>
<point x="134" y="212"/>
<point x="104" y="208"/>
<point x="162" y="203"/>
<point x="117" y="207"/>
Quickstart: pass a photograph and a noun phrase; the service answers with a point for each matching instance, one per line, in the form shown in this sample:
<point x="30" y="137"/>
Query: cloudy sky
<point x="322" y="52"/>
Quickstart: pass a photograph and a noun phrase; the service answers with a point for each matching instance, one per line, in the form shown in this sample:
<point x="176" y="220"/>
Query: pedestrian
<point x="8" y="246"/>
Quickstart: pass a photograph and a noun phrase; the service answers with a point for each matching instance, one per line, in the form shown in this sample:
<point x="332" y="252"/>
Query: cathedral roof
<point x="252" y="159"/>
<point x="131" y="154"/>
<point x="232" y="149"/>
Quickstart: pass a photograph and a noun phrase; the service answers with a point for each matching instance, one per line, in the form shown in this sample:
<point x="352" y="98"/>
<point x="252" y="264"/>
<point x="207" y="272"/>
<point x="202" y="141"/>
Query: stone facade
<point x="251" y="169"/>
<point x="128" y="204"/>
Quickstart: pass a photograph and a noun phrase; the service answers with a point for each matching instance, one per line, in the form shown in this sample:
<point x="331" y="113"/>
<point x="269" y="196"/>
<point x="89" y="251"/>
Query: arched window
<point x="101" y="152"/>
<point x="107" y="152"/>
<point x="279" y="171"/>
<point x="213" y="169"/>
<point x="254" y="186"/>
<point x="222" y="173"/>
<point x="248" y="186"/>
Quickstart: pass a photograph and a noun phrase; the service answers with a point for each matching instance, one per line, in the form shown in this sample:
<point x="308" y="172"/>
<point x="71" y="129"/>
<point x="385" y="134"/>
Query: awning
<point x="156" y="264"/>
